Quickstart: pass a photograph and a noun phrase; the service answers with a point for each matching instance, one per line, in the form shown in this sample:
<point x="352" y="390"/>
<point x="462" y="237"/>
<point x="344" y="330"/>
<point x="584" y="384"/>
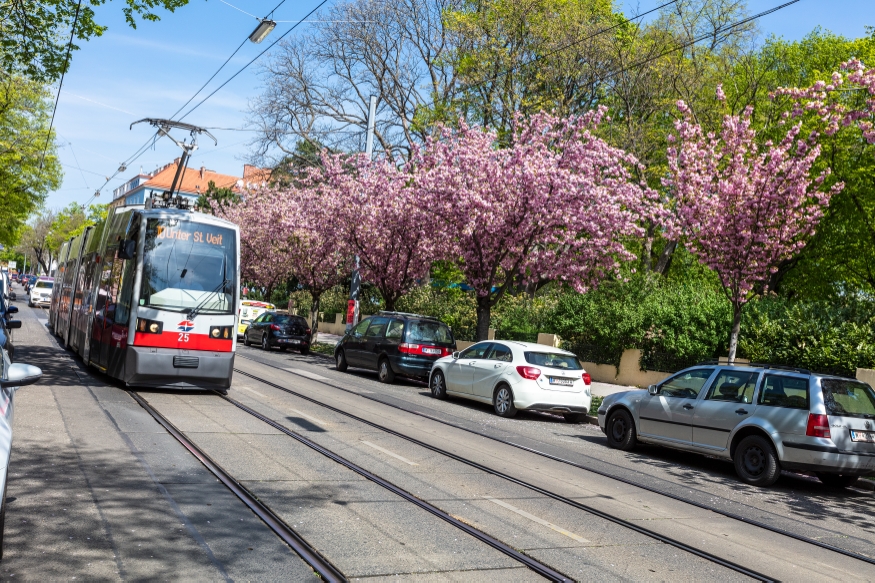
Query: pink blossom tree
<point x="384" y="223"/>
<point x="742" y="208"/>
<point x="556" y="205"/>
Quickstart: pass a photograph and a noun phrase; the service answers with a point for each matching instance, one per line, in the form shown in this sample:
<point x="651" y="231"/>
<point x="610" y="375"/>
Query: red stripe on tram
<point x="183" y="340"/>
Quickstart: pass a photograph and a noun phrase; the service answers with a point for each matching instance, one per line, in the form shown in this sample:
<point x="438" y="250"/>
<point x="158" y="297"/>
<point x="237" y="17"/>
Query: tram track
<point x="654" y="490"/>
<point x="316" y="560"/>
<point x="491" y="471"/>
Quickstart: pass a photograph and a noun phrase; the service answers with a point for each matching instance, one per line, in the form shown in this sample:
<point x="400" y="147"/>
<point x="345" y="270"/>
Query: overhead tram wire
<point x="270" y="46"/>
<point x="222" y="66"/>
<point x="140" y="151"/>
<point x="689" y="43"/>
<point x="60" y="85"/>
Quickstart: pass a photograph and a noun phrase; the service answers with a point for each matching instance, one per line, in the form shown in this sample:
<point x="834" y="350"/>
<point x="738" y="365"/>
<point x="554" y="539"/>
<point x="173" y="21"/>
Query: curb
<point x="592" y="420"/>
<point x="863" y="484"/>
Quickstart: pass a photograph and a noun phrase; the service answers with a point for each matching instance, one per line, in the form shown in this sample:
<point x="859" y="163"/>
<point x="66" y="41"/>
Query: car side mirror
<point x="455" y="356"/>
<point x="12" y="310"/>
<point x="13" y="297"/>
<point x="13" y="324"/>
<point x="126" y="249"/>
<point x="19" y="375"/>
<point x="653" y="389"/>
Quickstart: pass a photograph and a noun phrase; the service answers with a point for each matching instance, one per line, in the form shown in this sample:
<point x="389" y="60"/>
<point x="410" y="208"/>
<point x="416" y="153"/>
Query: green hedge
<point x="828" y="337"/>
<point x="687" y="321"/>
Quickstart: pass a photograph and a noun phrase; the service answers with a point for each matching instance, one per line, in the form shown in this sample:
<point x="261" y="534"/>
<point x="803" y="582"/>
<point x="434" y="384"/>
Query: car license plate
<point x="865" y="436"/>
<point x="292" y="341"/>
<point x="431" y="351"/>
<point x="561" y="381"/>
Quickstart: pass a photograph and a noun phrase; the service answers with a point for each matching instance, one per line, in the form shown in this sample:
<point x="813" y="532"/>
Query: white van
<point x="249" y="310"/>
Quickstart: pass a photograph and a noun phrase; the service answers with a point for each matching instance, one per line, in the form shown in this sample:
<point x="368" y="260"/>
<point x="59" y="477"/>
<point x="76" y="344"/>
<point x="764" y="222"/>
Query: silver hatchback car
<point x="761" y="417"/>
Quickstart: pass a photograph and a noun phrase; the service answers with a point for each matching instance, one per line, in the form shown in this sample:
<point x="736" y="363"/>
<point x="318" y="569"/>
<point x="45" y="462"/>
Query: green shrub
<point x="688" y="321"/>
<point x="822" y="336"/>
<point x="451" y="305"/>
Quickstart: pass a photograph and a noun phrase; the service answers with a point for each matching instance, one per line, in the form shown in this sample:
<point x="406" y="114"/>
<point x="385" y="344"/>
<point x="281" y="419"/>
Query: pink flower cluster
<point x="742" y="208"/>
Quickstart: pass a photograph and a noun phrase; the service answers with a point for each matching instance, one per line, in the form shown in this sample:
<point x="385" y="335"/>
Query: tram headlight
<point x="223" y="332"/>
<point x="149" y="326"/>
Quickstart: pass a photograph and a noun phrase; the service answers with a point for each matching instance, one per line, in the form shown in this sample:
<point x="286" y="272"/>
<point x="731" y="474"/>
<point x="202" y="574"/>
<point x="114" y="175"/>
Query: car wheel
<point x="438" y="385"/>
<point x="502" y="401"/>
<point x="756" y="461"/>
<point x="265" y="344"/>
<point x="837" y="480"/>
<point x="305" y="351"/>
<point x="620" y="430"/>
<point x="385" y="372"/>
<point x="574" y="417"/>
<point x="340" y="361"/>
<point x="246" y="341"/>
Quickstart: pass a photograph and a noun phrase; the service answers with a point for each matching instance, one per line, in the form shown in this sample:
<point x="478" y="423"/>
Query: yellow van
<point x="248" y="311"/>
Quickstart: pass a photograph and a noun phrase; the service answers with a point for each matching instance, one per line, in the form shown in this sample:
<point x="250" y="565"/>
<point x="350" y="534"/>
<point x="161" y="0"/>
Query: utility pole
<point x="352" y="310"/>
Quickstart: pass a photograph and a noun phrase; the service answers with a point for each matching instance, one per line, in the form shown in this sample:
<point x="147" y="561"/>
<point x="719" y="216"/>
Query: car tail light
<point x="423" y="349"/>
<point x="529" y="372"/>
<point x="274" y="327"/>
<point x="308" y="331"/>
<point x="587" y="380"/>
<point x="818" y="426"/>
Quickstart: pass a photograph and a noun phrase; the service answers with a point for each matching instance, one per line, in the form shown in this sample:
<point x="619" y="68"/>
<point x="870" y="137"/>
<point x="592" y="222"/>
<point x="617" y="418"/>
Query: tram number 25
<point x="183" y="337"/>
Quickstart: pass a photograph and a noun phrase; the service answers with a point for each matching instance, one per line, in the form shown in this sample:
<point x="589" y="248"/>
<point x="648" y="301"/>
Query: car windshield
<point x="429" y="331"/>
<point x="188" y="265"/>
<point x="553" y="360"/>
<point x="848" y="398"/>
<point x="46" y="284"/>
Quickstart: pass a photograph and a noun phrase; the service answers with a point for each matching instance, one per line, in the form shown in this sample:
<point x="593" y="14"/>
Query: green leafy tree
<point x="34" y="33"/>
<point x="216" y="195"/>
<point x="29" y="169"/>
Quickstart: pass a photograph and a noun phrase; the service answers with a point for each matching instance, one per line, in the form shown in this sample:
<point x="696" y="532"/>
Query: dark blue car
<point x="395" y="343"/>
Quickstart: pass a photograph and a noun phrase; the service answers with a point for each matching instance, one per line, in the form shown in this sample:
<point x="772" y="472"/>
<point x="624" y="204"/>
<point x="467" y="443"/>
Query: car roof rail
<point x="717" y="361"/>
<point x="407" y="314"/>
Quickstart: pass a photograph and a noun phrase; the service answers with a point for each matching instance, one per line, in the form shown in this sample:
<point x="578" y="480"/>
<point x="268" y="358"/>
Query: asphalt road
<point x="98" y="489"/>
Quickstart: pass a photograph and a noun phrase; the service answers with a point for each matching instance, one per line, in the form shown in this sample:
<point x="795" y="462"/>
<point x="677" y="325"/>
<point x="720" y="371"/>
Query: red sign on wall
<point x="351" y="311"/>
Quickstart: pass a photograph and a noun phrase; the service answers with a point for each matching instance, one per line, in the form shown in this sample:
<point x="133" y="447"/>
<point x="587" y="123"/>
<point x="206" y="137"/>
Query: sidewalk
<point x="98" y="490"/>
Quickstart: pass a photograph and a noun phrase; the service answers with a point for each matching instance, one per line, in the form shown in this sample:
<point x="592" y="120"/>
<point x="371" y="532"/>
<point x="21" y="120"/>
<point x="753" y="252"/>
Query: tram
<point x="149" y="297"/>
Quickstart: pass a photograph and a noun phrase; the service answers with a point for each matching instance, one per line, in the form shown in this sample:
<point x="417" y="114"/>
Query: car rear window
<point x="287" y="319"/>
<point x="784" y="391"/>
<point x="428" y="331"/>
<point x="47" y="284"/>
<point x="553" y="360"/>
<point x="848" y="398"/>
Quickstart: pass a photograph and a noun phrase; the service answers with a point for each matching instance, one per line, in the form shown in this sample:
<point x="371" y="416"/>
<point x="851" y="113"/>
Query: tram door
<point x="104" y="311"/>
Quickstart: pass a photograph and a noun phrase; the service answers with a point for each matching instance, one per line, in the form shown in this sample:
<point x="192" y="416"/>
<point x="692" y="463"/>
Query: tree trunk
<point x="389" y="300"/>
<point x="665" y="257"/>
<point x="484" y="313"/>
<point x="314" y="318"/>
<point x="646" y="260"/>
<point x="736" y="328"/>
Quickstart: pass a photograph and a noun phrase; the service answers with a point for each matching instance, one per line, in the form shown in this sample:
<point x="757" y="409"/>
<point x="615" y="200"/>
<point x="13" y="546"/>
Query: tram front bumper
<point x="171" y="368"/>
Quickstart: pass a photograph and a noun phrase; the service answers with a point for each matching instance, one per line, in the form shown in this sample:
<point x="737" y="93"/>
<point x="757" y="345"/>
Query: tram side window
<point x="105" y="276"/>
<point x="114" y="285"/>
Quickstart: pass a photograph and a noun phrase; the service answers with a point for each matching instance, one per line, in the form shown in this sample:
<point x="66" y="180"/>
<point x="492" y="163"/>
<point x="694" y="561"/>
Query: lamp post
<point x="352" y="310"/>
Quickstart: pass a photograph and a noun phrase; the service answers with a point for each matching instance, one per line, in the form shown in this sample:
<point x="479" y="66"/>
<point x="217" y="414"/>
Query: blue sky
<point x="130" y="74"/>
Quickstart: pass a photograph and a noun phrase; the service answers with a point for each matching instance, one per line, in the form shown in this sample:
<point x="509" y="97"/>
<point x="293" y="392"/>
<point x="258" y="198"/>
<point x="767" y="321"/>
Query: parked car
<point x="7" y="323"/>
<point x="12" y="377"/>
<point x="284" y="330"/>
<point x="763" y="418"/>
<point x="514" y="376"/>
<point x="395" y="343"/>
<point x="41" y="292"/>
<point x="249" y="310"/>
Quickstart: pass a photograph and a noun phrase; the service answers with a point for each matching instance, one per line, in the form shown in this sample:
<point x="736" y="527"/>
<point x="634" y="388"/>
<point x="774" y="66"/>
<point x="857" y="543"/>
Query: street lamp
<point x="262" y="30"/>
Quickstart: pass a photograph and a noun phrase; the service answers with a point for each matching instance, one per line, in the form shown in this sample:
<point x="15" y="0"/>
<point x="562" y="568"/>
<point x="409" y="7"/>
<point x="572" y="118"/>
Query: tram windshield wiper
<point x="196" y="310"/>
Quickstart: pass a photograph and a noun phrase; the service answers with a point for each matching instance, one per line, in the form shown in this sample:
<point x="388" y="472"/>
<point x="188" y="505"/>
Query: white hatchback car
<point x="514" y="376"/>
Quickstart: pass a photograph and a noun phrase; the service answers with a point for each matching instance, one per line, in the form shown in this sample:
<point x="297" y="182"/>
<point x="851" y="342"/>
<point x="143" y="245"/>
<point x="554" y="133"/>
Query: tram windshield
<point x="188" y="266"/>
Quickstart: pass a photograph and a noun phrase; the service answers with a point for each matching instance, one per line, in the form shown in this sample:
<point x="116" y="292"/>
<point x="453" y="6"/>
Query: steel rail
<point x="580" y="506"/>
<point x="320" y="564"/>
<point x="536" y="566"/>
<point x="654" y="490"/>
